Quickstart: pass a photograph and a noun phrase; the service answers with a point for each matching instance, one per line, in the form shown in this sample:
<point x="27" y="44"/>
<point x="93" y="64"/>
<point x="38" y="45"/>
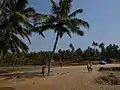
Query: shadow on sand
<point x="7" y="88"/>
<point x="24" y="75"/>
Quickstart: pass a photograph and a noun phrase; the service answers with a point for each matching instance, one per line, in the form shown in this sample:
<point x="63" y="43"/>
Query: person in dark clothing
<point x="43" y="70"/>
<point x="60" y="63"/>
<point x="91" y="66"/>
<point x="88" y="67"/>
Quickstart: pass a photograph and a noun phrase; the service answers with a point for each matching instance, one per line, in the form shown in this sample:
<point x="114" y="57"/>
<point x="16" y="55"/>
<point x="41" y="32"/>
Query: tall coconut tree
<point x="62" y="21"/>
<point x="71" y="46"/>
<point x="16" y="22"/>
<point x="95" y="44"/>
<point x="102" y="47"/>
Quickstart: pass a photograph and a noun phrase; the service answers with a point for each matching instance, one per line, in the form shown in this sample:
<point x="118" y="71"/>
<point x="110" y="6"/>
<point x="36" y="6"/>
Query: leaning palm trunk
<point x="52" y="54"/>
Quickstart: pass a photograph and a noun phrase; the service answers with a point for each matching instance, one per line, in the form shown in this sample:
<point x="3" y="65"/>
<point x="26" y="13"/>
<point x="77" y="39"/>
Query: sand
<point x="66" y="78"/>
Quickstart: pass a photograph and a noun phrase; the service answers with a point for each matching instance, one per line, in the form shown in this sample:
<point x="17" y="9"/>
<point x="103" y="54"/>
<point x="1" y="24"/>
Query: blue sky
<point x="102" y="15"/>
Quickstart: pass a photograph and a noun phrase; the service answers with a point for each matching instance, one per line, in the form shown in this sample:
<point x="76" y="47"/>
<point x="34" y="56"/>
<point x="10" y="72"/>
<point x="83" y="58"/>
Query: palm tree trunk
<point x="94" y="52"/>
<point x="52" y="54"/>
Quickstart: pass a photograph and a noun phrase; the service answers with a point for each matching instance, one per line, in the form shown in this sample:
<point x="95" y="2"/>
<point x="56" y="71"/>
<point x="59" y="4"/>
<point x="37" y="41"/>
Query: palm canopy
<point x="17" y="23"/>
<point x="94" y="43"/>
<point x="71" y="47"/>
<point x="62" y="21"/>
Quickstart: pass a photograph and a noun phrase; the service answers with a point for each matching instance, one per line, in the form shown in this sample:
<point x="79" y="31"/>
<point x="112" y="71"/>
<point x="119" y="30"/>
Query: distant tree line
<point x="94" y="52"/>
<point x="18" y="21"/>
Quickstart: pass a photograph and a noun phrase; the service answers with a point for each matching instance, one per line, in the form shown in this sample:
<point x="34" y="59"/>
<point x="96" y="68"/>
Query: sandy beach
<point x="65" y="78"/>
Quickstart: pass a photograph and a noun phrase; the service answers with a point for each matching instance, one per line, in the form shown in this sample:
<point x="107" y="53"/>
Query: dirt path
<point x="66" y="78"/>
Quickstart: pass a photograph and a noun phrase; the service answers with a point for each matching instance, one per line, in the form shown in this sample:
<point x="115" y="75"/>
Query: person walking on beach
<point x="91" y="67"/>
<point x="43" y="70"/>
<point x="88" y="67"/>
<point x="60" y="63"/>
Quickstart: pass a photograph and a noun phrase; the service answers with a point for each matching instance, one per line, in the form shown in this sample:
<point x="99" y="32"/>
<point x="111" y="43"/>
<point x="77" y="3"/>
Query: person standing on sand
<point x="88" y="67"/>
<point x="60" y="63"/>
<point x="91" y="66"/>
<point x="43" y="70"/>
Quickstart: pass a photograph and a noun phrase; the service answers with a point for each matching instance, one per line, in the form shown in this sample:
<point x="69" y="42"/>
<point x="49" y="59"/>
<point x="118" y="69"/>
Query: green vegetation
<point x="18" y="20"/>
<point x="117" y="69"/>
<point x="76" y="57"/>
<point x="14" y="22"/>
<point x="62" y="21"/>
<point x="18" y="69"/>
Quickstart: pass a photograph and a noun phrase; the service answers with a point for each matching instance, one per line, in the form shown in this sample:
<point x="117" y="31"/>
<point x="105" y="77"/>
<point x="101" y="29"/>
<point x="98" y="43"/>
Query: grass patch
<point x="115" y="69"/>
<point x="18" y="69"/>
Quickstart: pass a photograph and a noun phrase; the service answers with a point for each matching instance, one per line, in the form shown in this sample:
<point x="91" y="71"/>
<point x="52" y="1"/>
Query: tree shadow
<point x="18" y="76"/>
<point x="7" y="88"/>
<point x="86" y="72"/>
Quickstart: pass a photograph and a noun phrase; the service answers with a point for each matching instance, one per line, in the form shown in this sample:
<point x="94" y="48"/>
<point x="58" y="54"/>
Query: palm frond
<point x="80" y="32"/>
<point x="55" y="7"/>
<point x="24" y="33"/>
<point x="65" y="6"/>
<point x="74" y="27"/>
<point x="12" y="43"/>
<point x="60" y="2"/>
<point x="76" y="30"/>
<point x="61" y="34"/>
<point x="21" y="4"/>
<point x="43" y="28"/>
<point x="82" y="23"/>
<point x="18" y="44"/>
<point x="41" y="18"/>
<point x="78" y="22"/>
<point x="64" y="30"/>
<point x="20" y="17"/>
<point x="30" y="9"/>
<point x="29" y="12"/>
<point x="76" y="12"/>
<point x="19" y="29"/>
<point x="17" y="24"/>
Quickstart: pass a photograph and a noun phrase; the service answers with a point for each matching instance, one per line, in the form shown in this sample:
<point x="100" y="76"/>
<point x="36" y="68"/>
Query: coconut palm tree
<point x="62" y="22"/>
<point x="16" y="22"/>
<point x="102" y="47"/>
<point x="95" y="44"/>
<point x="72" y="47"/>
